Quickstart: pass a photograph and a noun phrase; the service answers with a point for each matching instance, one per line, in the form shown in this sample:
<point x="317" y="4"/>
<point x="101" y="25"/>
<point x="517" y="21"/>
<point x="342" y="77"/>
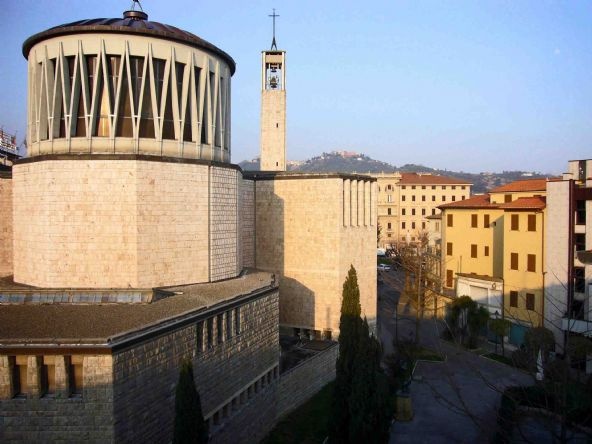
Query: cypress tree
<point x="350" y="326"/>
<point x="360" y="410"/>
<point x="190" y="426"/>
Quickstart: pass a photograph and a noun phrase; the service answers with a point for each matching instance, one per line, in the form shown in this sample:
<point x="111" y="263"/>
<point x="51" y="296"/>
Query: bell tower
<point x="273" y="107"/>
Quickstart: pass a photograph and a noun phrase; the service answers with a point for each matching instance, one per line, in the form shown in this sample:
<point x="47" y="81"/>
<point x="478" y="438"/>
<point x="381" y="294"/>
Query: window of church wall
<point x="21" y="386"/>
<point x="199" y="339"/>
<point x="237" y="321"/>
<point x="220" y="328"/>
<point x="229" y="324"/>
<point x="75" y="375"/>
<point x="48" y="376"/>
<point x="210" y="332"/>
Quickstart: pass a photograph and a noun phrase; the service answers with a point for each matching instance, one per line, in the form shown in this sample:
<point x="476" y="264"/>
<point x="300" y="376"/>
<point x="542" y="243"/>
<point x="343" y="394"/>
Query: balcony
<point x="585" y="257"/>
<point x="580" y="326"/>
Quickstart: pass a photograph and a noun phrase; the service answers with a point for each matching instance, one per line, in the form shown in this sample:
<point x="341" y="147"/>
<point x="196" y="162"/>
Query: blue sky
<point x="462" y="85"/>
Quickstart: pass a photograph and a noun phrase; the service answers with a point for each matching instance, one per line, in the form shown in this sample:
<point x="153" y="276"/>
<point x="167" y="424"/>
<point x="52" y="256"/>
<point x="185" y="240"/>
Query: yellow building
<point x="492" y="250"/>
<point x="406" y="200"/>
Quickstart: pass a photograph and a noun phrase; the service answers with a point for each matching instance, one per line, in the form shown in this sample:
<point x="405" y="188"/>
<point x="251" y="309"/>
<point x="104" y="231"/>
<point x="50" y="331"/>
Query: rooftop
<point x="287" y="175"/>
<point x="109" y="325"/>
<point x="479" y="201"/>
<point x="481" y="277"/>
<point x="430" y="179"/>
<point x="132" y="22"/>
<point x="522" y="186"/>
<point x="525" y="203"/>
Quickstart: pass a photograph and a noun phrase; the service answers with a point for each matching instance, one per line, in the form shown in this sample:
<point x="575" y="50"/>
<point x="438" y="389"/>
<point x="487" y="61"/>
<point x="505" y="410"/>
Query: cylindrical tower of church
<point x="127" y="86"/>
<point x="127" y="183"/>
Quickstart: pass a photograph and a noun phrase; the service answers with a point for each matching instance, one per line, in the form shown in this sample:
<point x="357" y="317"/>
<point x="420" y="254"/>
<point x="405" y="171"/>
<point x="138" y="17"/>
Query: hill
<point x="351" y="162"/>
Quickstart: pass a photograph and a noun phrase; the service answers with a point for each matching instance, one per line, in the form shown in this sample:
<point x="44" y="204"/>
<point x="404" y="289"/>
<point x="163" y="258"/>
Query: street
<point x="455" y="401"/>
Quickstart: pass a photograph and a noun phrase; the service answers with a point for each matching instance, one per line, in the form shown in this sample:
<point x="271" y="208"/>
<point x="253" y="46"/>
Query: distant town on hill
<point x="352" y="162"/>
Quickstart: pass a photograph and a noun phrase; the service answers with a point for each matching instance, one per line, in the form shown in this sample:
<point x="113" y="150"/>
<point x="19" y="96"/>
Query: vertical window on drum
<point x="91" y="67"/>
<point x="107" y="97"/>
<point x="76" y="97"/>
<point x="60" y="106"/>
<point x="186" y="130"/>
<point x="227" y="115"/>
<point x="124" y="111"/>
<point x="168" y="124"/>
<point x="137" y="75"/>
<point x="196" y="76"/>
<point x="71" y="97"/>
<point x="146" y="129"/>
<point x="168" y="130"/>
<point x="218" y="123"/>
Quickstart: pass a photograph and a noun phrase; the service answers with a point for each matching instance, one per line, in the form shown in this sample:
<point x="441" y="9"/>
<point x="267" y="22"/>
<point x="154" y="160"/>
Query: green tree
<point x="500" y="327"/>
<point x="466" y="320"/>
<point x="539" y="339"/>
<point x="369" y="406"/>
<point x="359" y="410"/>
<point x="190" y="426"/>
<point x="350" y="326"/>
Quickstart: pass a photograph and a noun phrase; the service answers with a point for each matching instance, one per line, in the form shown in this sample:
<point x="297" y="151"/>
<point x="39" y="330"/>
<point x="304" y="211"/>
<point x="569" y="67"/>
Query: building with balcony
<point x="568" y="257"/>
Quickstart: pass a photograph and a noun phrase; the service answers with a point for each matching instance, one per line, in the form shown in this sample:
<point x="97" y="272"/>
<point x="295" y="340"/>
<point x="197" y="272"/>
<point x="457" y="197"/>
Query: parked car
<point x="384" y="267"/>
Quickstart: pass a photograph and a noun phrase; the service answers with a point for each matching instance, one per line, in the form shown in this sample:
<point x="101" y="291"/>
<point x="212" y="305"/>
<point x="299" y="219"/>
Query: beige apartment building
<point x="406" y="200"/>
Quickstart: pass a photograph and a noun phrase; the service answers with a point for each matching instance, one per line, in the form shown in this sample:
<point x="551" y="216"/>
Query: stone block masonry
<point x="247" y="213"/>
<point x="299" y="384"/>
<point x="224" y="235"/>
<point x="58" y="417"/>
<point x="309" y="230"/>
<point x="5" y="225"/>
<point x="121" y="222"/>
<point x="145" y="375"/>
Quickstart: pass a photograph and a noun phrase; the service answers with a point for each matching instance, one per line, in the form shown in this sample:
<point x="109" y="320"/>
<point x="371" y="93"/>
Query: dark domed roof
<point x="133" y="22"/>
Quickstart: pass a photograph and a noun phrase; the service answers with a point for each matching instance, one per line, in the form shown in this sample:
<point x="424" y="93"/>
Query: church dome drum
<point x="127" y="86"/>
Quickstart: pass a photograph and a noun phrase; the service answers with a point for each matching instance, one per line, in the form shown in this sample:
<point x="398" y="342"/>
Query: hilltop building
<point x="8" y="150"/>
<point x="492" y="251"/>
<point x="406" y="200"/>
<point x="138" y="245"/>
<point x="568" y="255"/>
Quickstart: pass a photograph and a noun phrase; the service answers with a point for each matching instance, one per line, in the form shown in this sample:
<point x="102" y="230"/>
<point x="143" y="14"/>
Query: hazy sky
<point x="463" y="85"/>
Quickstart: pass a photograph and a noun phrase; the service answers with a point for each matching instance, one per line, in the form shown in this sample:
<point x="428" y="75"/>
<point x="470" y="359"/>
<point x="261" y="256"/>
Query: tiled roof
<point x="430" y="179"/>
<point x="479" y="201"/>
<point x="525" y="203"/>
<point x="522" y="185"/>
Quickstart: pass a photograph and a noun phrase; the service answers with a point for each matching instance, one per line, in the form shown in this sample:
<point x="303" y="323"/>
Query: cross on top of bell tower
<point x="273" y="16"/>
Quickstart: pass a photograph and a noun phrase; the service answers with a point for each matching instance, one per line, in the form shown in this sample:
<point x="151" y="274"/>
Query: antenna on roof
<point x="273" y="16"/>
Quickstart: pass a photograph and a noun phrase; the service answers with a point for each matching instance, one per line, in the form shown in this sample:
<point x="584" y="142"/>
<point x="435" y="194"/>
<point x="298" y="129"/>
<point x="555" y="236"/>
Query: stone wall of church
<point x="224" y="235"/>
<point x="120" y="223"/>
<point x="247" y="217"/>
<point x="63" y="210"/>
<point x="303" y="234"/>
<point x="60" y="417"/>
<point x="172" y="231"/>
<point x="5" y="226"/>
<point x="228" y="371"/>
